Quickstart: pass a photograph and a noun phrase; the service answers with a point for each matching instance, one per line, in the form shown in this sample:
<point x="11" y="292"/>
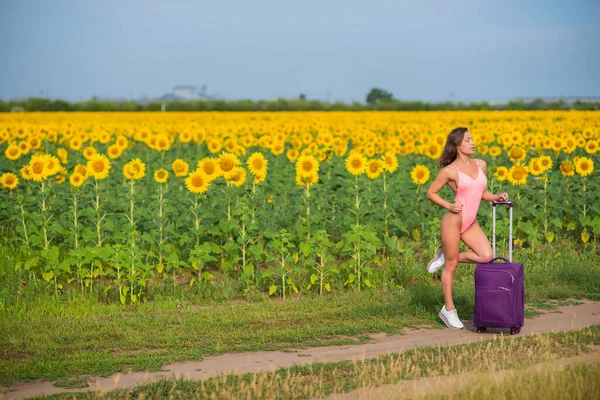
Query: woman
<point x="466" y="177"/>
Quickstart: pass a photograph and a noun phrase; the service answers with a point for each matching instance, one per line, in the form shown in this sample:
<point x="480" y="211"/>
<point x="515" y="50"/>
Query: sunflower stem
<point x="131" y="204"/>
<point x="385" y="214"/>
<point x="584" y="198"/>
<point x="43" y="210"/>
<point x="308" y="208"/>
<point x="357" y="201"/>
<point x="229" y="215"/>
<point x="161" y="222"/>
<point x="75" y="220"/>
<point x="253" y="202"/>
<point x="20" y="200"/>
<point x="545" y="207"/>
<point x="97" y="207"/>
<point x="228" y="208"/>
<point x="197" y="218"/>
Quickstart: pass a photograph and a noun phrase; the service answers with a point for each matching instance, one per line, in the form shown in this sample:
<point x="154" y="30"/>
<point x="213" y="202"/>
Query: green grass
<point x="577" y="381"/>
<point x="322" y="379"/>
<point x="72" y="383"/>
<point x="43" y="336"/>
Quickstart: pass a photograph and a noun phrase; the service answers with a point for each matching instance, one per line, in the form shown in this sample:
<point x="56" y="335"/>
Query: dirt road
<point x="569" y="318"/>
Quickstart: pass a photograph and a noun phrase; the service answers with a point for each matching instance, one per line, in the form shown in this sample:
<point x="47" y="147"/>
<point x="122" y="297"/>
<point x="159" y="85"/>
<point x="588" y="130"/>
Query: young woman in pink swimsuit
<point x="466" y="177"/>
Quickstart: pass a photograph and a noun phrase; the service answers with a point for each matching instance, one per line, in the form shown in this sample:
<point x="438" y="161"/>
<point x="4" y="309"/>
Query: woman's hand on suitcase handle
<point x="503" y="197"/>
<point x="455" y="207"/>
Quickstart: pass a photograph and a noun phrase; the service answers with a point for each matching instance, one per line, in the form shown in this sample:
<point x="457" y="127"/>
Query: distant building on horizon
<point x="186" y="93"/>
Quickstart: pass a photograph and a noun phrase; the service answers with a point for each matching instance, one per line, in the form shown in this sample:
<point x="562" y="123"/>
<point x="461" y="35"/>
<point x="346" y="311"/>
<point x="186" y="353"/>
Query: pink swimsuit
<point x="469" y="195"/>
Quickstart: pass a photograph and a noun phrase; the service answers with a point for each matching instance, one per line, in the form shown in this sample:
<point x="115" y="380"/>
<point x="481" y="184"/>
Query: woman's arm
<point x="488" y="196"/>
<point x="491" y="197"/>
<point x="438" y="183"/>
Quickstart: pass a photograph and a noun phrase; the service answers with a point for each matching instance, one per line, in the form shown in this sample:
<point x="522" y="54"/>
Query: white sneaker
<point x="450" y="318"/>
<point x="436" y="263"/>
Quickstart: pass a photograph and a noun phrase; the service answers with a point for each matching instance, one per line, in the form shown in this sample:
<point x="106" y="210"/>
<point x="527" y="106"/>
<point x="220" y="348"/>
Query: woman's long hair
<point x="455" y="138"/>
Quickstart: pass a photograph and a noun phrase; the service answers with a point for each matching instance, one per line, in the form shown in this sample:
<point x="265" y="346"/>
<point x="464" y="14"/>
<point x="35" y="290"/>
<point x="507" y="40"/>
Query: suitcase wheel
<point x="514" y="331"/>
<point x="481" y="329"/>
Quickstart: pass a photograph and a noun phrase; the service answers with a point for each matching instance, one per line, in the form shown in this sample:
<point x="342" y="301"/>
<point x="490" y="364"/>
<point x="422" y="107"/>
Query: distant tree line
<point x="377" y="99"/>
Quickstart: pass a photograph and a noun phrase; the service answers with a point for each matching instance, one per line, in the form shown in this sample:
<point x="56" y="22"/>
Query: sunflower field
<point x="275" y="202"/>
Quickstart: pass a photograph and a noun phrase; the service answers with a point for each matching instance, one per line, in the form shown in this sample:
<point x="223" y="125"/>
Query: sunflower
<point x="356" y="164"/>
<point x="98" y="166"/>
<point x="517" y="175"/>
<point x="535" y="168"/>
<point x="63" y="155"/>
<point x="567" y="168"/>
<point x="35" y="143"/>
<point x="340" y="149"/>
<point x="584" y="166"/>
<point x="180" y="167"/>
<point x="545" y="163"/>
<point x="9" y="180"/>
<point x="517" y="154"/>
<point x="114" y="151"/>
<point x="121" y="142"/>
<point x="12" y="152"/>
<point x="277" y="148"/>
<point x="591" y="147"/>
<point x="259" y="178"/>
<point x="557" y="145"/>
<point x="210" y="167"/>
<point x="104" y="137"/>
<point x="227" y="161"/>
<point x="483" y="149"/>
<point x="199" y="136"/>
<point x="433" y="151"/>
<point x="214" y="145"/>
<point x="82" y="170"/>
<point x="74" y="143"/>
<point x="374" y="168"/>
<point x="151" y="142"/>
<point x="495" y="151"/>
<point x="237" y="176"/>
<point x="76" y="179"/>
<point x="134" y="169"/>
<point x="230" y="145"/>
<point x="26" y="172"/>
<point x="185" y="136"/>
<point x="37" y="168"/>
<point x="25" y="147"/>
<point x="161" y="175"/>
<point x="501" y="173"/>
<point x="307" y="165"/>
<point x="570" y="145"/>
<point x="52" y="164"/>
<point x="420" y="174"/>
<point x="306" y="180"/>
<point x="89" y="152"/>
<point x="196" y="182"/>
<point x="162" y="142"/>
<point x="390" y="162"/>
<point x="257" y="164"/>
<point x="240" y="150"/>
<point x="292" y="154"/>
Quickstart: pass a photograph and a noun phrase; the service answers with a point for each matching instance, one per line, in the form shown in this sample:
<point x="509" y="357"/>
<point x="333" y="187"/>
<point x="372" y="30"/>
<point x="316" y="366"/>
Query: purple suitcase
<point x="499" y="288"/>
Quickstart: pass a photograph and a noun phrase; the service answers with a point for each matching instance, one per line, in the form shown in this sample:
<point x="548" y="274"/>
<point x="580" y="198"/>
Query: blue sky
<point x="327" y="49"/>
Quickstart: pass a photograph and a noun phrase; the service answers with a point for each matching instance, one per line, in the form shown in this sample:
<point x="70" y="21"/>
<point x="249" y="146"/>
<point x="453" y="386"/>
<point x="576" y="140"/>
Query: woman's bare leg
<point x="450" y="230"/>
<point x="477" y="241"/>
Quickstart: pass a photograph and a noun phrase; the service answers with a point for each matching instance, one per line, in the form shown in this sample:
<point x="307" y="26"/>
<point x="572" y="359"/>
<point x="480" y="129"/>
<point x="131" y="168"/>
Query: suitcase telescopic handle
<point x="510" y="241"/>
